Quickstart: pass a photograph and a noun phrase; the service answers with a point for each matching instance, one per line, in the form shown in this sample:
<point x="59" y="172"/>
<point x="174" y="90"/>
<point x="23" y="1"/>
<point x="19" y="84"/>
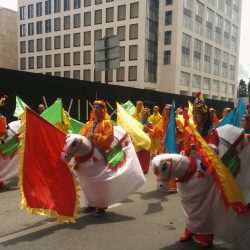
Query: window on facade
<point x="109" y="14"/>
<point x="66" y="22"/>
<point x="39" y="62"/>
<point x="77" y="39"/>
<point x="206" y="83"/>
<point x="77" y="4"/>
<point x="121" y="32"/>
<point x="133" y="31"/>
<point x="230" y="89"/>
<point x="30" y="10"/>
<point x="48" y="43"/>
<point x="187" y="14"/>
<point x="87" y="38"/>
<point x="66" y="5"/>
<point x="57" y="73"/>
<point x="216" y="86"/>
<point x="87" y="18"/>
<point x="167" y="37"/>
<point x="217" y="61"/>
<point x="133" y="52"/>
<point x="209" y="24"/>
<point x="220" y="5"/>
<point x="98" y="16"/>
<point x="47" y="26"/>
<point x="31" y="45"/>
<point x="86" y="75"/>
<point x="132" y="73"/>
<point x="77" y="20"/>
<point x="98" y="34"/>
<point x="98" y="1"/>
<point x="39" y="9"/>
<point x="185" y="79"/>
<point x="109" y="32"/>
<point x="186" y="50"/>
<point x="77" y="74"/>
<point x="225" y="64"/>
<point x="87" y="57"/>
<point x="57" y="24"/>
<point x="134" y="10"/>
<point x="167" y="57"/>
<point x="234" y="38"/>
<point x="97" y="76"/>
<point x="39" y="44"/>
<point x="87" y="3"/>
<point x="47" y="7"/>
<point x="39" y="27"/>
<point x="227" y="29"/>
<point x="223" y="87"/>
<point x="22" y="30"/>
<point x="66" y="74"/>
<point x="57" y="6"/>
<point x="218" y="29"/>
<point x="66" y="59"/>
<point x="31" y="62"/>
<point x="67" y="41"/>
<point x="197" y="54"/>
<point x="23" y="63"/>
<point x="199" y="12"/>
<point x="208" y="58"/>
<point x="110" y="75"/>
<point x="122" y="53"/>
<point x="228" y="9"/>
<point x="232" y="67"/>
<point x="57" y="60"/>
<point x="76" y="58"/>
<point x="48" y="61"/>
<point x="120" y="74"/>
<point x="23" y="47"/>
<point x="57" y="42"/>
<point x="168" y="18"/>
<point x="169" y="2"/>
<point x="121" y="13"/>
<point x="31" y="29"/>
<point x="22" y="12"/>
<point x="196" y="81"/>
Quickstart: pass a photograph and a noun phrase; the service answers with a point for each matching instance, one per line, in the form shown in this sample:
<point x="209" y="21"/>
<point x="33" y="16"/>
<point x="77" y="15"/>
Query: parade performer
<point x="143" y="154"/>
<point x="138" y="110"/>
<point x="225" y="112"/>
<point x="196" y="168"/>
<point x="214" y="118"/>
<point x="3" y="121"/>
<point x="155" y="118"/>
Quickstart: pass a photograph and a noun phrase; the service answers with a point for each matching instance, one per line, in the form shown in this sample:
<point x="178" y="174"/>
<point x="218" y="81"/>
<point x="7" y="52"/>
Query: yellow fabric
<point x="229" y="188"/>
<point x="64" y="125"/>
<point x="138" y="115"/>
<point x="134" y="128"/>
<point x="190" y="112"/>
<point x="155" y="119"/>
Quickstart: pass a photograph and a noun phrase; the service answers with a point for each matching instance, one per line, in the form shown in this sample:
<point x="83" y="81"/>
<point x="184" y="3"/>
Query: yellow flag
<point x="134" y="128"/>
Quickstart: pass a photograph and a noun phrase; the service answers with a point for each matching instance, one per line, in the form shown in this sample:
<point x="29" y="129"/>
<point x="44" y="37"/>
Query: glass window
<point x="87" y="38"/>
<point x="77" y="74"/>
<point x="217" y="60"/>
<point x="66" y="74"/>
<point x="209" y="24"/>
<point x="23" y="63"/>
<point x="22" y="30"/>
<point x="234" y="38"/>
<point x="57" y="42"/>
<point x="67" y="41"/>
<point x="223" y="88"/>
<point x="109" y="32"/>
<point x="47" y="7"/>
<point x="30" y="10"/>
<point x="187" y="4"/>
<point x="86" y="75"/>
<point x="196" y="81"/>
<point x="97" y="76"/>
<point x="186" y="50"/>
<point x="31" y="45"/>
<point x="39" y="44"/>
<point x="121" y="14"/>
<point x="167" y="57"/>
<point x="206" y="83"/>
<point x="57" y="6"/>
<point x="57" y="24"/>
<point x="134" y="10"/>
<point x="232" y="67"/>
<point x="66" y="22"/>
<point x="22" y="12"/>
<point x="87" y="18"/>
<point x="168" y="18"/>
<point x="76" y="58"/>
<point x="109" y="15"/>
<point x="185" y="79"/>
<point x="98" y="34"/>
<point x="169" y="2"/>
<point x="66" y="5"/>
<point x="133" y="31"/>
<point x="31" y="62"/>
<point x="57" y="60"/>
<point x="48" y="43"/>
<point x="98" y="1"/>
<point x="39" y="62"/>
<point x="167" y="37"/>
<point x="47" y="26"/>
<point x="77" y="4"/>
<point x="87" y="3"/>
<point x="216" y="85"/>
<point x="66" y="59"/>
<point x="121" y="32"/>
<point x="218" y="29"/>
<point x="39" y="9"/>
<point x="23" y="47"/>
<point x="30" y="29"/>
<point x="133" y="52"/>
<point x="132" y="73"/>
<point x="208" y="58"/>
<point x="77" y="20"/>
<point x="87" y="57"/>
<point x="122" y="53"/>
<point x="57" y="73"/>
<point x="98" y="16"/>
<point x="77" y="39"/>
<point x="39" y="27"/>
<point x="225" y="64"/>
<point x="120" y="74"/>
<point x="197" y="54"/>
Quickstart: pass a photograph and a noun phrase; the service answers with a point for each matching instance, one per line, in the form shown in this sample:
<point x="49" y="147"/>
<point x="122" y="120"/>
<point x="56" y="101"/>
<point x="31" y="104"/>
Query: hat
<point x="101" y="104"/>
<point x="199" y="104"/>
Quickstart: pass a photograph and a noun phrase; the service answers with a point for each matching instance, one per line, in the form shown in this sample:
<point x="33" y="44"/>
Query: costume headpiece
<point x="101" y="104"/>
<point x="199" y="104"/>
<point x="2" y="100"/>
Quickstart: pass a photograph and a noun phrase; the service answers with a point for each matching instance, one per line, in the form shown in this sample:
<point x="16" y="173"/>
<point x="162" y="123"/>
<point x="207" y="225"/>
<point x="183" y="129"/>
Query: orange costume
<point x="100" y="132"/>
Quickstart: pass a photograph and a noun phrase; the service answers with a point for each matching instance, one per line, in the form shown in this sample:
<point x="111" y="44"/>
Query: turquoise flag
<point x="170" y="138"/>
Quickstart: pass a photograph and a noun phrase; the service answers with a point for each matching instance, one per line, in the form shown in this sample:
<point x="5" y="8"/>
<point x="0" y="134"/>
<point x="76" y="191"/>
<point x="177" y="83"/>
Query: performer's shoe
<point x="205" y="245"/>
<point x="187" y="236"/>
<point x="88" y="210"/>
<point x="100" y="213"/>
<point x="172" y="191"/>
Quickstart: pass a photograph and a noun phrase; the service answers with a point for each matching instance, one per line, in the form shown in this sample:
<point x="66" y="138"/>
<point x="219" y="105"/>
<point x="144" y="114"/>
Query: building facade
<point x="176" y="46"/>
<point x="8" y="39"/>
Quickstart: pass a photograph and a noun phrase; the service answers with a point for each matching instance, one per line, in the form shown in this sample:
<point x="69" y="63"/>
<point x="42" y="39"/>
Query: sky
<point x="244" y="62"/>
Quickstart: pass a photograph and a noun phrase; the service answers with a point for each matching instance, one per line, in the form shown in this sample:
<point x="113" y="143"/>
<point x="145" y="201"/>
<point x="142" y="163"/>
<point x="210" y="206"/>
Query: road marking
<point x="39" y="228"/>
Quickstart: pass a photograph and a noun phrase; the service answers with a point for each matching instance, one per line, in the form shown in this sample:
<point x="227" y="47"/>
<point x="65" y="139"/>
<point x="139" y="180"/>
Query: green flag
<point x="75" y="126"/>
<point x="53" y="114"/>
<point x="20" y="106"/>
<point x="129" y="107"/>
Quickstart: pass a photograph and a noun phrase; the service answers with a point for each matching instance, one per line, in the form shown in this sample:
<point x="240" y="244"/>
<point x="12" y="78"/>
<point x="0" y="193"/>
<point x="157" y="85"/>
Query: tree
<point x="242" y="88"/>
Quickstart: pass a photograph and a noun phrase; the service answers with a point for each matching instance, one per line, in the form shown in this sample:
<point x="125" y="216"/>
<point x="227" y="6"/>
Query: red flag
<point x="46" y="184"/>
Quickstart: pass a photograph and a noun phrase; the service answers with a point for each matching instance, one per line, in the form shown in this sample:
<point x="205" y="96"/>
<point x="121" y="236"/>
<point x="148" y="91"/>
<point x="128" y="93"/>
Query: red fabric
<point x="3" y="124"/>
<point x="47" y="181"/>
<point x="204" y="238"/>
<point x="144" y="159"/>
<point x="172" y="185"/>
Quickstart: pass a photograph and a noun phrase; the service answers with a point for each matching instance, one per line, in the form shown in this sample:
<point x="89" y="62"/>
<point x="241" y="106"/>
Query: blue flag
<point x="235" y="116"/>
<point x="170" y="138"/>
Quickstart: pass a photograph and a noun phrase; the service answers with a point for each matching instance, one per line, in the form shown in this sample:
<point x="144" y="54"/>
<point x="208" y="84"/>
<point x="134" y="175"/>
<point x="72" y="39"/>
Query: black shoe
<point x="99" y="213"/>
<point x="88" y="210"/>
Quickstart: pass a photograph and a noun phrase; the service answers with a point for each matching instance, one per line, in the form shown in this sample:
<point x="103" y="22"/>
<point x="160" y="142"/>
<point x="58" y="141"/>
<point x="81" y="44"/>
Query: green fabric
<point x="232" y="162"/>
<point x="20" y="106"/>
<point x="115" y="156"/>
<point x="10" y="147"/>
<point x="75" y="126"/>
<point x="53" y="114"/>
<point x="129" y="107"/>
<point x="114" y="123"/>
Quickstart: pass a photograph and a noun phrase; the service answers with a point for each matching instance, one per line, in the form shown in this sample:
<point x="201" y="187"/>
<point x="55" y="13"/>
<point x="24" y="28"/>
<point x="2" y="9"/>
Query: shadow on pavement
<point x="81" y="223"/>
<point x="154" y="194"/>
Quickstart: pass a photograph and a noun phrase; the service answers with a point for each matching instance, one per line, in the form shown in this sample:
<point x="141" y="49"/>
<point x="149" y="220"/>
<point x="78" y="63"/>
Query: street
<point x="146" y="220"/>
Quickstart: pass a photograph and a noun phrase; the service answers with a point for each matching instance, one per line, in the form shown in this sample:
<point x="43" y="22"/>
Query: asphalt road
<point x="147" y="220"/>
